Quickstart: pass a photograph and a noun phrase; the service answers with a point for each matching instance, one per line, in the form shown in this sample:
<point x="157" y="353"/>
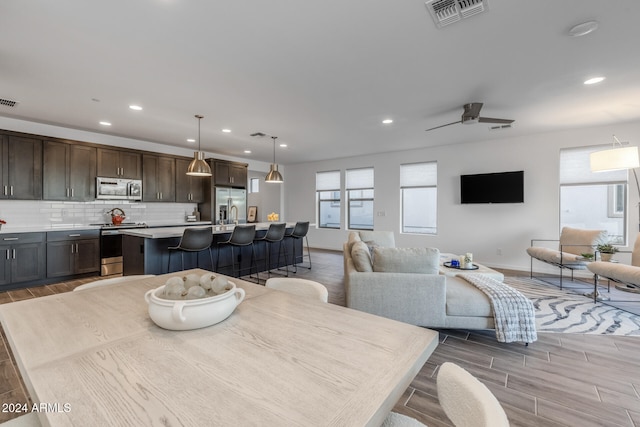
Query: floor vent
<point x="446" y="12"/>
<point x="8" y="102"/>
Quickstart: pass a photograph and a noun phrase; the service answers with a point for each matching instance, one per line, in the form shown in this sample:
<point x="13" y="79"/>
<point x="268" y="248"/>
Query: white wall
<point x="268" y="199"/>
<point x="481" y="229"/>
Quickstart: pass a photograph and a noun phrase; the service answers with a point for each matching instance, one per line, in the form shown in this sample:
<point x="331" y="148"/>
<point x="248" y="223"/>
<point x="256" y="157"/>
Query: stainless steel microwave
<point x="118" y="189"/>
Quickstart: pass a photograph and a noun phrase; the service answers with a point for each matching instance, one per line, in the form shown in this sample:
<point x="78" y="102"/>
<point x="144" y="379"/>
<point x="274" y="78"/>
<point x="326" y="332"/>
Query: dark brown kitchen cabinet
<point x="23" y="257"/>
<point x="230" y="174"/>
<point x="69" y="171"/>
<point x="119" y="164"/>
<point x="72" y="252"/>
<point x="20" y="168"/>
<point x="158" y="178"/>
<point x="188" y="188"/>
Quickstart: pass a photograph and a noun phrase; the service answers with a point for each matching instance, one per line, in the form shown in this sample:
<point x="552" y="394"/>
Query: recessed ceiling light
<point x="103" y="123"/>
<point x="226" y="130"/>
<point x="247" y="151"/>
<point x="135" y="107"/>
<point x="283" y="145"/>
<point x="191" y="140"/>
<point x="583" y="29"/>
<point x="593" y="80"/>
<point x="387" y="121"/>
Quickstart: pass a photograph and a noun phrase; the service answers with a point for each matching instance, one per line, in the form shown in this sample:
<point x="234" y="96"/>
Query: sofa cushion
<point x="577" y="241"/>
<point x="552" y="256"/>
<point x="406" y="260"/>
<point x="353" y="238"/>
<point x="381" y="238"/>
<point x="464" y="299"/>
<point x="361" y="257"/>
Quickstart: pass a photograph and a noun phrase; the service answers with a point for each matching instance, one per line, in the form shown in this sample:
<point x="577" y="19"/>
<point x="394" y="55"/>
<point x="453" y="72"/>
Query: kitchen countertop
<point x="166" y="232"/>
<point x="62" y="227"/>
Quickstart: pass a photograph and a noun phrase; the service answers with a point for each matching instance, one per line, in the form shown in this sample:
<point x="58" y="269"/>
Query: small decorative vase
<point x="605" y="257"/>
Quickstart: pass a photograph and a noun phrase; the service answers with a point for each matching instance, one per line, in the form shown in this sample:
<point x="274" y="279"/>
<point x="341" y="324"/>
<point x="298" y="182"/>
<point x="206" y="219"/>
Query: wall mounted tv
<point x="501" y="187"/>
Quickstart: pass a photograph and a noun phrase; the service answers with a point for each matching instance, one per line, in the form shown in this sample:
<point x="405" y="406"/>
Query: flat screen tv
<point x="501" y="187"/>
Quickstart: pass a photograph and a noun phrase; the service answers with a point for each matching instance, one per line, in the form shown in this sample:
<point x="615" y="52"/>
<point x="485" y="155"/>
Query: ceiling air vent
<point x="8" y="102"/>
<point x="445" y="12"/>
<point x="500" y="127"/>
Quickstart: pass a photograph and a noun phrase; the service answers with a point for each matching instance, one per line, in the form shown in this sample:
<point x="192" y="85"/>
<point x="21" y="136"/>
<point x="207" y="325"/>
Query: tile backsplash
<point x="39" y="213"/>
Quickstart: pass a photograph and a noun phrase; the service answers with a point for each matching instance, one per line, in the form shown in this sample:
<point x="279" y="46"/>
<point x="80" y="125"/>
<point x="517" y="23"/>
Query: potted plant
<point x="606" y="251"/>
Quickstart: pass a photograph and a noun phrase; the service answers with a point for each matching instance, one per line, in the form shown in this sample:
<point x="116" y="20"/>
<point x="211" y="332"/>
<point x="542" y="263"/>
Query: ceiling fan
<point x="471" y="115"/>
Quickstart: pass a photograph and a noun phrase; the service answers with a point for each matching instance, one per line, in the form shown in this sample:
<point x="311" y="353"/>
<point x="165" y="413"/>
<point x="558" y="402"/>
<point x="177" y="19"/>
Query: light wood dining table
<point x="94" y="357"/>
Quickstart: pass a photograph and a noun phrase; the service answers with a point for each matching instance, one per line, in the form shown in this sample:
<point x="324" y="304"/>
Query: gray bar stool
<point x="300" y="232"/>
<point x="193" y="240"/>
<point x="242" y="235"/>
<point x="275" y="234"/>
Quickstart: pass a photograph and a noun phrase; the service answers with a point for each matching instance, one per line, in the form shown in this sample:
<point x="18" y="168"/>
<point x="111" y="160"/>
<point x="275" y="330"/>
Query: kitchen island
<point x="145" y="250"/>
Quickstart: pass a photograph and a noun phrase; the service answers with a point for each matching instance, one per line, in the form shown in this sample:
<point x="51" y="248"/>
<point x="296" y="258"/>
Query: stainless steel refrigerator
<point x="231" y="204"/>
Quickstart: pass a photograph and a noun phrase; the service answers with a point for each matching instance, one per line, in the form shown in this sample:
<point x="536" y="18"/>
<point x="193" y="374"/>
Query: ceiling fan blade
<point x="472" y="109"/>
<point x="490" y="120"/>
<point x="441" y="126"/>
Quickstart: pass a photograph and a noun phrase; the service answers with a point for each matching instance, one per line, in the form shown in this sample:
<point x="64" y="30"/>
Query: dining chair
<point x="193" y="240"/>
<point x="27" y="420"/>
<point x="300" y="287"/>
<point x="300" y="231"/>
<point x="466" y="401"/>
<point x="111" y="281"/>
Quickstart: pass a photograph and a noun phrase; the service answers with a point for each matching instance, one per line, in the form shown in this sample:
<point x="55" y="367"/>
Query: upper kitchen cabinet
<point x="230" y="174"/>
<point x="188" y="188"/>
<point x="20" y="168"/>
<point x="69" y="171"/>
<point x="119" y="164"/>
<point x="158" y="178"/>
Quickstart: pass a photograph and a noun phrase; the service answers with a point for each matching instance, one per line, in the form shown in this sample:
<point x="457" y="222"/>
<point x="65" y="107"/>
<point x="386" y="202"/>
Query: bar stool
<point x="275" y="234"/>
<point x="242" y="235"/>
<point x="193" y="240"/>
<point x="300" y="232"/>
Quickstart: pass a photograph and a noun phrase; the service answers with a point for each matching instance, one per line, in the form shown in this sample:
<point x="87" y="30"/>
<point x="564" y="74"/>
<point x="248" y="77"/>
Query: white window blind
<point x="419" y="175"/>
<point x="328" y="181"/>
<point x="357" y="179"/>
<point x="575" y="168"/>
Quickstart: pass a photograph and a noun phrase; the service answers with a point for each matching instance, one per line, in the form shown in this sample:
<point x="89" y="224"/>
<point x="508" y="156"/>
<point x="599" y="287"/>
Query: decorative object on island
<point x="466" y="261"/>
<point x="253" y="213"/>
<point x="117" y="216"/>
<point x="2" y="222"/>
<point x="274" y="175"/>
<point x="198" y="166"/>
<point x="273" y="217"/>
<point x="617" y="159"/>
<point x="606" y="251"/>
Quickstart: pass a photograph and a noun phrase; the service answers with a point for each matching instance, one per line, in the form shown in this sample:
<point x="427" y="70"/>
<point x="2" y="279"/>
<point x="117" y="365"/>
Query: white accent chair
<point x="112" y="281"/>
<point x="573" y="243"/>
<point x="27" y="420"/>
<point x="466" y="401"/>
<point x="300" y="287"/>
<point x="628" y="276"/>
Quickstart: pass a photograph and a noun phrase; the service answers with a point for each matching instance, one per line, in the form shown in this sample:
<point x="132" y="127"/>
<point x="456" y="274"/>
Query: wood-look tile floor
<point x="560" y="380"/>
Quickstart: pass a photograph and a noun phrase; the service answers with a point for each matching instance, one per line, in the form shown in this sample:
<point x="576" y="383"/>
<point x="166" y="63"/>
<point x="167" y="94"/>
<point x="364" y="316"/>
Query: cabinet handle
<point x="72" y="192"/>
<point x="5" y="190"/>
<point x="77" y="248"/>
<point x="8" y="257"/>
<point x="161" y="195"/>
<point x="10" y="238"/>
<point x="75" y="235"/>
<point x="11" y="187"/>
<point x="14" y="253"/>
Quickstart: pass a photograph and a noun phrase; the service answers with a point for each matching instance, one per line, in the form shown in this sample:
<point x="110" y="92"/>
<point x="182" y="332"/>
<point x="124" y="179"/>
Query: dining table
<point x="95" y="357"/>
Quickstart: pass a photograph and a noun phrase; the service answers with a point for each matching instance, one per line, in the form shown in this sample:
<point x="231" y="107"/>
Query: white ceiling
<point x="320" y="75"/>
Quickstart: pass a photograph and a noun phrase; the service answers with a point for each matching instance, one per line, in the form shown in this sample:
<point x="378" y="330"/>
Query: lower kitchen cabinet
<point x="72" y="252"/>
<point x="23" y="258"/>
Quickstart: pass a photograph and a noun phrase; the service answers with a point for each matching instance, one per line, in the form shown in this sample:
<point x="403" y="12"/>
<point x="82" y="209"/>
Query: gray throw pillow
<point x="361" y="257"/>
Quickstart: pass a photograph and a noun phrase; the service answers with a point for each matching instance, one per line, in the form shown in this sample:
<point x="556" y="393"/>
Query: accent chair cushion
<point x="380" y="238"/>
<point x="619" y="272"/>
<point x="577" y="241"/>
<point x="635" y="255"/>
<point x="361" y="257"/>
<point x="552" y="256"/>
<point x="406" y="260"/>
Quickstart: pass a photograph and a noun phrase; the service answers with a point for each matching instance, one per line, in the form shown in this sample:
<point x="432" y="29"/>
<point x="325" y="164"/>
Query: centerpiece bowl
<point x="182" y="315"/>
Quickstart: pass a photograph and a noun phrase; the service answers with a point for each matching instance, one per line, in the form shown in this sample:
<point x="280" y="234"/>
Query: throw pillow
<point x="406" y="260"/>
<point x="353" y="238"/>
<point x="361" y="257"/>
<point x="382" y="238"/>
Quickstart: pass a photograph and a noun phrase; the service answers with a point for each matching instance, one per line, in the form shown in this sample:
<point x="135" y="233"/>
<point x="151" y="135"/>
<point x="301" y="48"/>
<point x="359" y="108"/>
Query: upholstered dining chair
<point x="27" y="420"/>
<point x="112" y="281"/>
<point x="466" y="401"/>
<point x="300" y="287"/>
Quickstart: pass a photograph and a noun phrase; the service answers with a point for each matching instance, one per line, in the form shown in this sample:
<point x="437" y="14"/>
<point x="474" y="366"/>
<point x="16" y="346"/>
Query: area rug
<point x="567" y="312"/>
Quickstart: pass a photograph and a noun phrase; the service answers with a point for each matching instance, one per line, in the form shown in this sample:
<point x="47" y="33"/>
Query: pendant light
<point x="274" y="175"/>
<point x="198" y="166"/>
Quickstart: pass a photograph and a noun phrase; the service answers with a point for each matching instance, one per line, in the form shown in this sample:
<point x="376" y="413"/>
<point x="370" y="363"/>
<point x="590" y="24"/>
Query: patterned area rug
<point x="567" y="312"/>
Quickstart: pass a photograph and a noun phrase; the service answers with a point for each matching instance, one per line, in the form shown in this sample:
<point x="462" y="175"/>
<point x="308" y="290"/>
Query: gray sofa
<point x="404" y="284"/>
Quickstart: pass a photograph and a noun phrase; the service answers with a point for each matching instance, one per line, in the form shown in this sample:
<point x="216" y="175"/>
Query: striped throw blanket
<point x="515" y="317"/>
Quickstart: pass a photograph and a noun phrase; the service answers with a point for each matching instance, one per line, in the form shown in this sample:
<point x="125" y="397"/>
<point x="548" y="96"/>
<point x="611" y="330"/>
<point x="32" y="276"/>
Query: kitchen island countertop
<point x="165" y="232"/>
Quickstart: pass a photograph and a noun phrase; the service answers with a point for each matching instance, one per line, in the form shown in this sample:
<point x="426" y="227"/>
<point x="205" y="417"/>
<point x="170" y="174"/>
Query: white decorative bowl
<point x="182" y="315"/>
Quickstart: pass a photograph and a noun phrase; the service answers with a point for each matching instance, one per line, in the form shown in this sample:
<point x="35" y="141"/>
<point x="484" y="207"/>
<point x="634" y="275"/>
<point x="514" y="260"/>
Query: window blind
<point x="328" y="181"/>
<point x="419" y="175"/>
<point x="358" y="179"/>
<point x="575" y="168"/>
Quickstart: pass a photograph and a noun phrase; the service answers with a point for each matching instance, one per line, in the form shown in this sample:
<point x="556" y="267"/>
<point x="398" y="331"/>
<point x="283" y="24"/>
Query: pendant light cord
<point x="274" y="148"/>
<point x="199" y="117"/>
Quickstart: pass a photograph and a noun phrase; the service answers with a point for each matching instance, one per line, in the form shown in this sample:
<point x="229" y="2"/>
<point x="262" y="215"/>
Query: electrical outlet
<point x="499" y="251"/>
<point x="381" y="213"/>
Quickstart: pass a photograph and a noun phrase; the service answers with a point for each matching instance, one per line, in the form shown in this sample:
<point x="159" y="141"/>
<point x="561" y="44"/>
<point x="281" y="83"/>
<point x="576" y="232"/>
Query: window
<point x="359" y="186"/>
<point x="419" y="192"/>
<point x="592" y="200"/>
<point x="254" y="185"/>
<point x="328" y="196"/>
